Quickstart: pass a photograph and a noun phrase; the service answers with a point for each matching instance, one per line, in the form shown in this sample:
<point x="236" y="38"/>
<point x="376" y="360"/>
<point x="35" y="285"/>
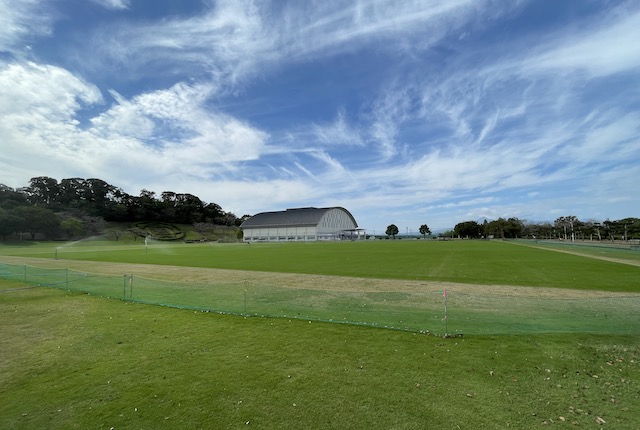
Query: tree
<point x="93" y="224"/>
<point x="243" y="218"/>
<point x="116" y="233"/>
<point x="505" y="228"/>
<point x="539" y="230"/>
<point x="10" y="198"/>
<point x="447" y="233"/>
<point x="189" y="208"/>
<point x="43" y="190"/>
<point x="97" y="194"/>
<point x="71" y="193"/>
<point x="73" y="227"/>
<point x="9" y="223"/>
<point x="36" y="219"/>
<point x="94" y="202"/>
<point x="146" y="206"/>
<point x="566" y="224"/>
<point x="625" y="229"/>
<point x="424" y="230"/>
<point x="470" y="229"/>
<point x="392" y="230"/>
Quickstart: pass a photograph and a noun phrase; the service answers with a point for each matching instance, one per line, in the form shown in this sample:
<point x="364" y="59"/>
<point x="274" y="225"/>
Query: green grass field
<point x="69" y="360"/>
<point x="472" y="262"/>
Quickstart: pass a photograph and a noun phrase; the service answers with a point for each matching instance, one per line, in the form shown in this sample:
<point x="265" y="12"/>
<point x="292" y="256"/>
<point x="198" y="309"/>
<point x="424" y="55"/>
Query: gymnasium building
<point x="302" y="224"/>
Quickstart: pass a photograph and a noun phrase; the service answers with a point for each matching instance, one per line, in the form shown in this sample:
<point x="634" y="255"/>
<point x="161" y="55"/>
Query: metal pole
<point x="446" y="319"/>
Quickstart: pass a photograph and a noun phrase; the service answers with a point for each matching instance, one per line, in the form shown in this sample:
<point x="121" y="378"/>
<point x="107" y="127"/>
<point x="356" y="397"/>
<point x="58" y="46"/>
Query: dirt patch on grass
<point x="303" y="281"/>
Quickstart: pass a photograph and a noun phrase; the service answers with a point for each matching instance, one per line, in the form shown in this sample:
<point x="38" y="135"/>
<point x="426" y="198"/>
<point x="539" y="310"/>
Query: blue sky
<point x="407" y="112"/>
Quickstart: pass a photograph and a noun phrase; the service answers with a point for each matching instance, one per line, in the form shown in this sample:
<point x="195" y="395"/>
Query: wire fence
<point x="473" y="313"/>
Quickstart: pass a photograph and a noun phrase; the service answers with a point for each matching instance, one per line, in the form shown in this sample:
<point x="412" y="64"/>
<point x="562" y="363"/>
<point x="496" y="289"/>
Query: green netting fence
<point x="466" y="313"/>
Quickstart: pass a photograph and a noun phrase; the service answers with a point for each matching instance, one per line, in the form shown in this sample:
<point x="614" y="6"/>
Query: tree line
<point x="392" y="230"/>
<point x="563" y="228"/>
<point x="79" y="207"/>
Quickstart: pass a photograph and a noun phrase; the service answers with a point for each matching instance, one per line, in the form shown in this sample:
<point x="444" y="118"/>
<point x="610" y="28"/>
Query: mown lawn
<point x="72" y="361"/>
<point x="474" y="262"/>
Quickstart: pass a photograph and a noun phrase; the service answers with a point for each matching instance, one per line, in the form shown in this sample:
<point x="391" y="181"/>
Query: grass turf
<point x="477" y="262"/>
<point x="472" y="310"/>
<point x="69" y="361"/>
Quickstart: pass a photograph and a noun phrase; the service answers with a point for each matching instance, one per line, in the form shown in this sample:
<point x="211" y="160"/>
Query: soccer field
<point x="467" y="262"/>
<point x="532" y="354"/>
<point x="493" y="287"/>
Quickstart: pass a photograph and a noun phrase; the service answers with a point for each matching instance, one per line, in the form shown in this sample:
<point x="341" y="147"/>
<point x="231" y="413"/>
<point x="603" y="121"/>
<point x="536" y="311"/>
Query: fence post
<point x="25" y="273"/>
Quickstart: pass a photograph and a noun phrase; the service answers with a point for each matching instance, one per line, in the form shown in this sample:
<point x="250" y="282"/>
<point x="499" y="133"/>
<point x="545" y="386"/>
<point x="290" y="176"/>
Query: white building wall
<point x="275" y="234"/>
<point x="334" y="221"/>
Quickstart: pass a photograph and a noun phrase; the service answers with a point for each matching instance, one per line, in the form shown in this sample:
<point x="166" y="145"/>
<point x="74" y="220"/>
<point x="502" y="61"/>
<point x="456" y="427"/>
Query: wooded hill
<point x="77" y="207"/>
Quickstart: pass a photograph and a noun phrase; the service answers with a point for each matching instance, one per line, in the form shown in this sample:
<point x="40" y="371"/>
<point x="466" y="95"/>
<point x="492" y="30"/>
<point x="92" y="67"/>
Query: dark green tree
<point x="392" y="230"/>
<point x="470" y="229"/>
<point x="73" y="227"/>
<point x="71" y="193"/>
<point x="424" y="230"/>
<point x="505" y="228"/>
<point x="43" y="191"/>
<point x="189" y="208"/>
<point x="146" y="207"/>
<point x="9" y="223"/>
<point x="10" y="198"/>
<point x="36" y="219"/>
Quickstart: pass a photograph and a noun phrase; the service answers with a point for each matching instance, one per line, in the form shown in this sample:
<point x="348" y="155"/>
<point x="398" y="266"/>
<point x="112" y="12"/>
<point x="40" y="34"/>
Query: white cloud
<point x="251" y="196"/>
<point x="125" y="118"/>
<point x="222" y="41"/>
<point x="38" y="122"/>
<point x="22" y="20"/>
<point x="177" y="123"/>
<point x="167" y="132"/>
<point x="388" y="113"/>
<point x="43" y="90"/>
<point x="113" y="4"/>
<point x="339" y="26"/>
<point x="337" y="133"/>
<point x="612" y="48"/>
<point x="236" y="41"/>
<point x="612" y="137"/>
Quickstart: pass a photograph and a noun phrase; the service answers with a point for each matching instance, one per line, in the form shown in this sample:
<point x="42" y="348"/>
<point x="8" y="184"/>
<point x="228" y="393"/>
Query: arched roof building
<point x="301" y="224"/>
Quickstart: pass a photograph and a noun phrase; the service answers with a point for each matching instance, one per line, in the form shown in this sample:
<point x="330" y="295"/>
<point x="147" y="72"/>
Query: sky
<point x="406" y="112"/>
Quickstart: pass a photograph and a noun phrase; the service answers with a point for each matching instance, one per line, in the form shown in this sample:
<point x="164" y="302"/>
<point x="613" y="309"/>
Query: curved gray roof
<point x="291" y="217"/>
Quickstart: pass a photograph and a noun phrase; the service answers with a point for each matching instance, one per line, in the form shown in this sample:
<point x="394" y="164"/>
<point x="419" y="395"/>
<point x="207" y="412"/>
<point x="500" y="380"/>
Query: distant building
<point x="302" y="224"/>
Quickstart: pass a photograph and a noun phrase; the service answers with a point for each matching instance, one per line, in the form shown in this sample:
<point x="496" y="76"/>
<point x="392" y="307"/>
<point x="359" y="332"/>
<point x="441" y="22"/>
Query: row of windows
<point x="278" y="238"/>
<point x="297" y="238"/>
